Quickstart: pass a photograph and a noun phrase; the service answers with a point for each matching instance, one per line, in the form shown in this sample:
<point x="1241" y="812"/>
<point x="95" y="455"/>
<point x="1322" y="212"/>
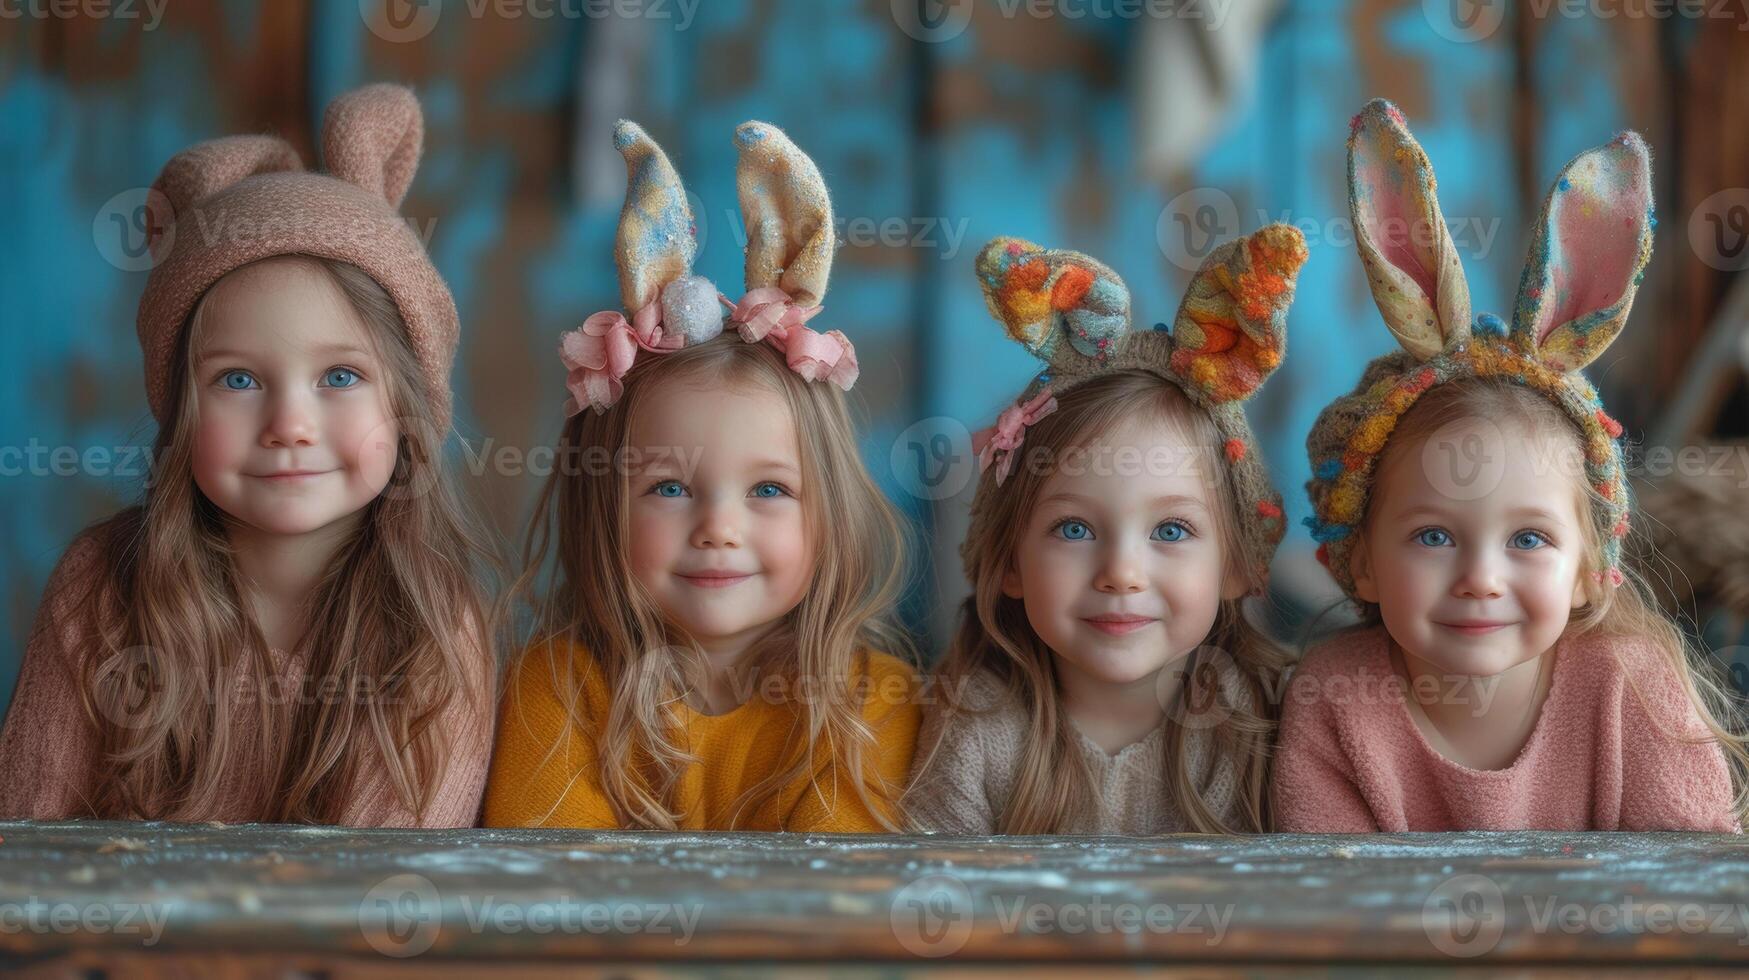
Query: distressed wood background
<point x="987" y="120"/>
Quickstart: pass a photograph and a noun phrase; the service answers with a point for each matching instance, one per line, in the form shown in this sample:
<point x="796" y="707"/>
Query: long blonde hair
<point x="1627" y="611"/>
<point x="1054" y="785"/>
<point x="595" y="608"/>
<point x="385" y="624"/>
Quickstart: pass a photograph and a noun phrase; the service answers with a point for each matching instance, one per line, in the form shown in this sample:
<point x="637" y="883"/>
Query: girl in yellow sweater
<point x="714" y="648"/>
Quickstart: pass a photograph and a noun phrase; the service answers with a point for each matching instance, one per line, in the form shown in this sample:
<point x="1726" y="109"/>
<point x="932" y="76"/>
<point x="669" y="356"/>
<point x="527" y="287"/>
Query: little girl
<point x="1104" y="679"/>
<point x="713" y="652"/>
<point x="1470" y="497"/>
<point x="289" y="627"/>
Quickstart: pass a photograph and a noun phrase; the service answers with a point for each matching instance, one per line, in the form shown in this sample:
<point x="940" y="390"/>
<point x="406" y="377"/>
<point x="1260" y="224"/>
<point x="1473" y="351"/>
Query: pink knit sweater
<point x="1352" y="760"/>
<point x="49" y="752"/>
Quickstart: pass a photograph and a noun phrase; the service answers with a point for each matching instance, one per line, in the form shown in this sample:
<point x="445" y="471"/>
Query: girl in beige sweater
<point x="1104" y="678"/>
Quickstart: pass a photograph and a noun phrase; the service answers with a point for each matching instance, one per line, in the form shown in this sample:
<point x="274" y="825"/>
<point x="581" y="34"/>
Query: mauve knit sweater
<point x="1352" y="760"/>
<point x="49" y="752"/>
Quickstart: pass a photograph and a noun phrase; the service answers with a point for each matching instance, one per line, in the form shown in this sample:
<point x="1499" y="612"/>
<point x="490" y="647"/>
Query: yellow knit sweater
<point x="545" y="771"/>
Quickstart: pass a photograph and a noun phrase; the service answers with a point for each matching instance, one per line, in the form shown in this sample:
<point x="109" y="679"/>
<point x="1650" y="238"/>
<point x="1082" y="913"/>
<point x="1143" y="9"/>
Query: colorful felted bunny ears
<point x="790" y="241"/>
<point x="1587" y="256"/>
<point x="1073" y="312"/>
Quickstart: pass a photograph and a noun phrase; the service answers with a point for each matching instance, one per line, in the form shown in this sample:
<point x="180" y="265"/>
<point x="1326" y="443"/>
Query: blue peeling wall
<point x="1003" y="128"/>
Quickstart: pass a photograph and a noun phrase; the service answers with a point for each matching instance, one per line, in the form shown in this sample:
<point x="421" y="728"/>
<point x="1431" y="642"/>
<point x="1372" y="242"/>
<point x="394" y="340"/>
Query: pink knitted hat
<point x="224" y="203"/>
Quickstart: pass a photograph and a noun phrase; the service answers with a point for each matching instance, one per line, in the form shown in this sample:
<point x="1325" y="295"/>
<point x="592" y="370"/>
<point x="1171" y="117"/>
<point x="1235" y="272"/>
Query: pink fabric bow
<point x="769" y="314"/>
<point x="598" y="354"/>
<point x="1009" y="432"/>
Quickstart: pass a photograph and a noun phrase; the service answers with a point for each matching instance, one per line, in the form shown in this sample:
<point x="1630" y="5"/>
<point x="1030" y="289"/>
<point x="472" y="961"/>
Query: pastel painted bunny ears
<point x="790" y="242"/>
<point x="1590" y="248"/>
<point x="1587" y="256"/>
<point x="1073" y="313"/>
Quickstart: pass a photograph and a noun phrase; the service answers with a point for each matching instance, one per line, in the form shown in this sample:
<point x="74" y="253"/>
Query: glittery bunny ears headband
<point x="1588" y="253"/>
<point x="1073" y="313"/>
<point x="790" y="241"/>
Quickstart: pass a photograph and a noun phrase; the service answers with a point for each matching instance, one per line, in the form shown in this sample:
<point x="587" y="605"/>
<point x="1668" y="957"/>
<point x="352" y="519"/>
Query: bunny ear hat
<point x="1073" y="313"/>
<point x="790" y="242"/>
<point x="1588" y="254"/>
<point x="224" y="203"/>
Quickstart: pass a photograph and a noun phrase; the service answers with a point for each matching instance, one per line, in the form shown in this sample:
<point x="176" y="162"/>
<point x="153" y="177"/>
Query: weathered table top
<point x="392" y="900"/>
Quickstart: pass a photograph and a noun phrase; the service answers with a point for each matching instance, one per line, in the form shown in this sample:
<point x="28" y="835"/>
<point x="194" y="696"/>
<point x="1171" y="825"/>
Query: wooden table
<point x="167" y="899"/>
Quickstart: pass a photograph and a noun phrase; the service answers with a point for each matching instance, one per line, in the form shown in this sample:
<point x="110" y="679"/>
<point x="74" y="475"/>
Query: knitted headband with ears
<point x="790" y="240"/>
<point x="224" y="203"/>
<point x="1073" y="313"/>
<point x="1587" y="256"/>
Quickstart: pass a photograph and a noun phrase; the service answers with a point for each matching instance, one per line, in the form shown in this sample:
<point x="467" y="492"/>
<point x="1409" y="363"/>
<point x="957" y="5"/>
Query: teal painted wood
<point x="76" y="158"/>
<point x="1457" y="97"/>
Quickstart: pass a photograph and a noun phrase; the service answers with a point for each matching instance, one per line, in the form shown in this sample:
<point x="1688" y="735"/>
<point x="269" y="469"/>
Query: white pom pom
<point x="690" y="308"/>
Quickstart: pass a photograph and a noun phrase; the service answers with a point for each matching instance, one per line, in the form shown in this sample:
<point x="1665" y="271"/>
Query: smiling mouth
<point x="717" y="580"/>
<point x="1474" y="627"/>
<point x="290" y="476"/>
<point x="1119" y="625"/>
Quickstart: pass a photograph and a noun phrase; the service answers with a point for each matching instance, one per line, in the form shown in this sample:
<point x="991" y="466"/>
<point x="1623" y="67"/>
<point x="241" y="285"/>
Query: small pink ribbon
<point x="769" y="314"/>
<point x="1009" y="432"/>
<point x="598" y="354"/>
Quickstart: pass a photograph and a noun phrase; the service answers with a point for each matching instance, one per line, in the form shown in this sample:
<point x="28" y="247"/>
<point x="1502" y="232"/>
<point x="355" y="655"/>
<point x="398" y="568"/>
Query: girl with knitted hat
<point x="1104" y="678"/>
<point x="714" y="650"/>
<point x="289" y="627"/>
<point x="1470" y="496"/>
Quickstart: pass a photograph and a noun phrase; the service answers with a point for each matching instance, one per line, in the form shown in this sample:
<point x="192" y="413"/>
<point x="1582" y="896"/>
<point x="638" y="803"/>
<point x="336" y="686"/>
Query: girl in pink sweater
<point x="288" y="628"/>
<point x="1105" y="678"/>
<point x="1509" y="674"/>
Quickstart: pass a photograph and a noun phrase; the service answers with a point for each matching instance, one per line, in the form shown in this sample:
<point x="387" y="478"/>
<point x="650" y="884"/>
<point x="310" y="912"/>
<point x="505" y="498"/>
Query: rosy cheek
<point x="1046" y="579"/>
<point x="367" y="442"/>
<point x="786" y="549"/>
<point x="221" y="441"/>
<point x="651" y="543"/>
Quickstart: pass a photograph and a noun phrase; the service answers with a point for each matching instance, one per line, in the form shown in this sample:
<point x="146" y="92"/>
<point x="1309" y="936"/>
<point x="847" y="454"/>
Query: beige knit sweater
<point x="49" y="750"/>
<point x="966" y="787"/>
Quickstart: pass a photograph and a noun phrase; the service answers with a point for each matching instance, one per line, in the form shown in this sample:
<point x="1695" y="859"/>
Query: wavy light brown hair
<point x="386" y="625"/>
<point x="1627" y="611"/>
<point x="593" y="607"/>
<point x="994" y="635"/>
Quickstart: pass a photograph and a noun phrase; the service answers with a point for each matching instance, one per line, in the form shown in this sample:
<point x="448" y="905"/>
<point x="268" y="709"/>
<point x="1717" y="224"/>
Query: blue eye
<point x="340" y="377"/>
<point x="1073" y="531"/>
<point x="769" y="490"/>
<point x="1170" y="531"/>
<point x="1529" y="540"/>
<point x="238" y="380"/>
<point x="1433" y="537"/>
<point x="668" y="488"/>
